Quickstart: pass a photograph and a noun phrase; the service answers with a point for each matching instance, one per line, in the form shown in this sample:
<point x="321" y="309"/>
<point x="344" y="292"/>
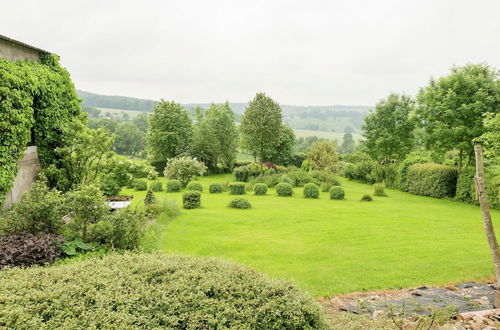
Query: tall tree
<point x="261" y="125"/>
<point x="388" y="130"/>
<point x="323" y="156"/>
<point x="141" y="121"/>
<point x="283" y="152"/>
<point x="451" y="108"/>
<point x="348" y="144"/>
<point x="170" y="133"/>
<point x="129" y="140"/>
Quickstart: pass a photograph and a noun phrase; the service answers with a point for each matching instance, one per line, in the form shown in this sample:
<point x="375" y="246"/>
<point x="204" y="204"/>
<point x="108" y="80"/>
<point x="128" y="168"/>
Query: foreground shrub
<point x="18" y="250"/>
<point x="173" y="186"/>
<point x="156" y="186"/>
<point x="240" y="203"/>
<point x="311" y="190"/>
<point x="153" y="291"/>
<point x="379" y="189"/>
<point x="215" y="188"/>
<point x="140" y="185"/>
<point x="366" y="198"/>
<point x="150" y="197"/>
<point x="337" y="192"/>
<point x="260" y="189"/>
<point x="237" y="188"/>
<point x="110" y="186"/>
<point x="191" y="199"/>
<point x="196" y="186"/>
<point x="434" y="180"/>
<point x="284" y="189"/>
<point x="184" y="169"/>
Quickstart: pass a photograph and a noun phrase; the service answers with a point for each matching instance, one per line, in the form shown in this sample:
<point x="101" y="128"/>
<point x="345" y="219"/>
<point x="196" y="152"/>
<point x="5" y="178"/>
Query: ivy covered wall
<point x="38" y="96"/>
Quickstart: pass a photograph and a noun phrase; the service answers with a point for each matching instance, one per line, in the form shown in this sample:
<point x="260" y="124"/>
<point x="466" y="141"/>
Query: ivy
<point x="38" y="96"/>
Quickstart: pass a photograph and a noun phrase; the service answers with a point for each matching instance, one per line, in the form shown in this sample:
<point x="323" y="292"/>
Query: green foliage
<point x="366" y="198"/>
<point x="282" y="153"/>
<point x="191" y="199"/>
<point x="110" y="186"/>
<point x="248" y="187"/>
<point x="173" y="186"/>
<point x="215" y="188"/>
<point x="379" y="189"/>
<point x="348" y="145"/>
<point x="167" y="206"/>
<point x="194" y="185"/>
<point x="287" y="179"/>
<point x="466" y="192"/>
<point x="240" y="203"/>
<point x="184" y="169"/>
<point x="388" y="130"/>
<point x="361" y="171"/>
<point x="325" y="176"/>
<point x="260" y="189"/>
<point x="241" y="173"/>
<point x="197" y="293"/>
<point x="284" y="189"/>
<point x="337" y="192"/>
<point x="129" y="140"/>
<point x="434" y="180"/>
<point x="170" y="132"/>
<point x="451" y="109"/>
<point x="388" y="174"/>
<point x="261" y="126"/>
<point x="405" y="166"/>
<point x="237" y="188"/>
<point x="156" y="186"/>
<point x="323" y="156"/>
<point x="325" y="186"/>
<point x="140" y="185"/>
<point x="150" y="197"/>
<point x="311" y="190"/>
<point x="300" y="177"/>
<point x="73" y="247"/>
<point x="491" y="138"/>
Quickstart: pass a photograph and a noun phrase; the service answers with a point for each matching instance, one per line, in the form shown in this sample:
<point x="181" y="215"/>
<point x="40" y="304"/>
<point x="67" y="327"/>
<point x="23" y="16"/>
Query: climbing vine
<point x="33" y="96"/>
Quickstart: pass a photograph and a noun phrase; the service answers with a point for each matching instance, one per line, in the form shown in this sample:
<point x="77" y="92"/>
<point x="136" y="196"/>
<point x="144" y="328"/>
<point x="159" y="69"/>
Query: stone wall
<point x="15" y="52"/>
<point x="28" y="171"/>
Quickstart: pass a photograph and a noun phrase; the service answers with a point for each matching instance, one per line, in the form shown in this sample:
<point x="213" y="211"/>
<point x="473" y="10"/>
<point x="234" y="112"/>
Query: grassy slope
<point x="330" y="247"/>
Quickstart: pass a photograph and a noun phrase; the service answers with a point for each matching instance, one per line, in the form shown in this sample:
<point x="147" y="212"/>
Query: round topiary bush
<point x="260" y="189"/>
<point x="156" y="186"/>
<point x="337" y="192"/>
<point x="215" y="188"/>
<point x="237" y="188"/>
<point x="311" y="190"/>
<point x="191" y="199"/>
<point x="173" y="186"/>
<point x="284" y="189"/>
<point x="196" y="186"/>
<point x="366" y="198"/>
<point x="140" y="185"/>
<point x="240" y="203"/>
<point x="146" y="291"/>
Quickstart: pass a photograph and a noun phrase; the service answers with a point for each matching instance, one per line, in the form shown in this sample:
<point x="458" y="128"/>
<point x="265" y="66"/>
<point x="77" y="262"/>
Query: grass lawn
<point x="329" y="247"/>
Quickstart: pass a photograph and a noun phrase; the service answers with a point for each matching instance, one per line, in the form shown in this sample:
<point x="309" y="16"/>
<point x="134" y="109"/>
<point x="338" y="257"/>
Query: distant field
<point x="131" y="113"/>
<point x="323" y="135"/>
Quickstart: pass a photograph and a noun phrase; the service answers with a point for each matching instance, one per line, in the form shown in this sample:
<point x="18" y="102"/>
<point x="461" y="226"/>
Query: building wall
<point x="13" y="52"/>
<point x="28" y="171"/>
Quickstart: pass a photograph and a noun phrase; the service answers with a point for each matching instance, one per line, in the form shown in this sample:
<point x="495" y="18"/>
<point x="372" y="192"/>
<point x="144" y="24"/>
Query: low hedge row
<point x="434" y="180"/>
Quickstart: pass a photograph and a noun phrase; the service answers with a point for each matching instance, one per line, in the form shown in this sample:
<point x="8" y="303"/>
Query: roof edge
<point x="20" y="43"/>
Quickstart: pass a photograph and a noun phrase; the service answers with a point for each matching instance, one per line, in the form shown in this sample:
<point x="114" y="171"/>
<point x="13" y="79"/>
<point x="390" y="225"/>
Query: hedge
<point x="260" y="189"/>
<point x="404" y="168"/>
<point x="284" y="189"/>
<point x="191" y="199"/>
<point x="173" y="186"/>
<point x="146" y="291"/>
<point x="240" y="203"/>
<point x="434" y="180"/>
<point x="466" y="192"/>
<point x="311" y="190"/>
<point x="215" y="188"/>
<point x="237" y="188"/>
<point x="194" y="185"/>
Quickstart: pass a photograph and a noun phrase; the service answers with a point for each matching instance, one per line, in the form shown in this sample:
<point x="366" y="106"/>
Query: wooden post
<point x="488" y="225"/>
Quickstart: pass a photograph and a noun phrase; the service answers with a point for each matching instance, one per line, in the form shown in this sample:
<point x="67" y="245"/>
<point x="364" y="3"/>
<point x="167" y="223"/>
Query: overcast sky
<point x="298" y="52"/>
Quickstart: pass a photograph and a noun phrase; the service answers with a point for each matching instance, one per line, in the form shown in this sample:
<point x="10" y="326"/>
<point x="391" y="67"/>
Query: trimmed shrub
<point x="466" y="192"/>
<point x="311" y="190"/>
<point x="404" y="168"/>
<point x="156" y="186"/>
<point x="150" y="197"/>
<point x="434" y="180"/>
<point x="18" y="250"/>
<point x="241" y="174"/>
<point x="325" y="186"/>
<point x="287" y="179"/>
<point x="379" y="189"/>
<point x="140" y="185"/>
<point x="366" y="198"/>
<point x="284" y="189"/>
<point x="153" y="291"/>
<point x="191" y="199"/>
<point x="260" y="189"/>
<point x="337" y="192"/>
<point x="237" y="188"/>
<point x="215" y="188"/>
<point x="240" y="203"/>
<point x="173" y="186"/>
<point x="194" y="185"/>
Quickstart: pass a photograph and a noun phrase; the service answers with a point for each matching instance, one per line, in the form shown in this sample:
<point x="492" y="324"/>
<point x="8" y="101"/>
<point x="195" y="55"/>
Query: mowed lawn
<point x="328" y="246"/>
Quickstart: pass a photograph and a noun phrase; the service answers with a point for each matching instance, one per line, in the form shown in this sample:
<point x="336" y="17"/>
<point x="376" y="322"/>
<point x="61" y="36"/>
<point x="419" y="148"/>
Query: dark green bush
<point x="325" y="186"/>
<point x="434" y="180"/>
<point x="193" y="185"/>
<point x="361" y="171"/>
<point x="152" y="291"/>
<point x="260" y="189"/>
<point x="405" y="166"/>
<point x="240" y="203"/>
<point x="311" y="190"/>
<point x="241" y="174"/>
<point x="269" y="180"/>
<point x="150" y="197"/>
<point x="379" y="189"/>
<point x="29" y="250"/>
<point x="284" y="189"/>
<point x="173" y="186"/>
<point x="156" y="186"/>
<point x="215" y="188"/>
<point x="300" y="177"/>
<point x="140" y="185"/>
<point x="191" y="199"/>
<point x="337" y="192"/>
<point x="237" y="188"/>
<point x="388" y="174"/>
<point x="366" y="198"/>
<point x="287" y="179"/>
<point x="110" y="186"/>
<point x="466" y="192"/>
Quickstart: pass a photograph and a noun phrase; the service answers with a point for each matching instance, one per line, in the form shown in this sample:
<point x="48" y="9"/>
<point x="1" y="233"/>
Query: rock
<point x="466" y="285"/>
<point x="378" y="313"/>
